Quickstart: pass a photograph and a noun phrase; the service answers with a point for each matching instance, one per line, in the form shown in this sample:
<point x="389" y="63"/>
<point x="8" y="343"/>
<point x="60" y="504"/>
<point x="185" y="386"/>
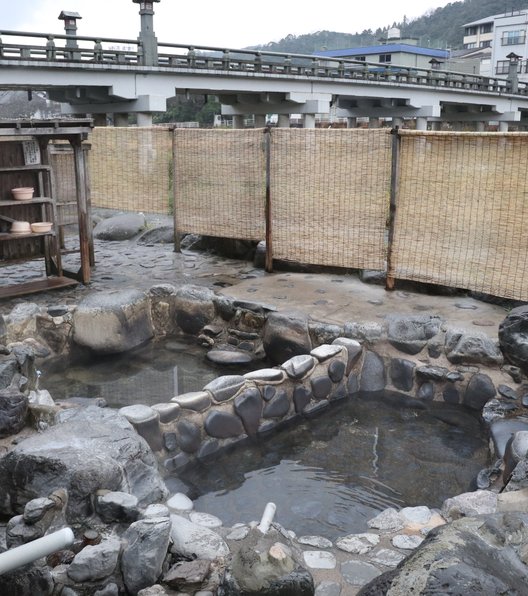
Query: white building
<point x="505" y="34"/>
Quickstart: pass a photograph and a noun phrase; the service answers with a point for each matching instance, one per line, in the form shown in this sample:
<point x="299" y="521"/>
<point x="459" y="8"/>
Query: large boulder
<point x="113" y="322"/>
<point x="120" y="227"/>
<point x="472" y="556"/>
<point x="91" y="449"/>
<point x="513" y="337"/>
<point x="286" y="335"/>
<point x="410" y="333"/>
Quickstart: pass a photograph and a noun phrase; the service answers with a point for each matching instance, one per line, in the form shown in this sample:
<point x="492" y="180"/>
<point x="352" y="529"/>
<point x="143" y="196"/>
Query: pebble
<point x="228" y="357"/>
<point x="387" y="557"/>
<point x="358" y="544"/>
<point x="406" y="542"/>
<point x="317" y="541"/>
<point x="180" y="502"/>
<point x="205" y="519"/>
<point x="319" y="559"/>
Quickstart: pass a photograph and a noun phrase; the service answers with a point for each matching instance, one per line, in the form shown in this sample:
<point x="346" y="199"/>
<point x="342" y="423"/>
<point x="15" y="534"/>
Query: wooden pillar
<point x="82" y="209"/>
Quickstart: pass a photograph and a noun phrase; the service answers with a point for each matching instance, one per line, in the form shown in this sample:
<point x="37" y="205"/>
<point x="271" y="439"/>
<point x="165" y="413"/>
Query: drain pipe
<point x="41" y="547"/>
<point x="267" y="517"/>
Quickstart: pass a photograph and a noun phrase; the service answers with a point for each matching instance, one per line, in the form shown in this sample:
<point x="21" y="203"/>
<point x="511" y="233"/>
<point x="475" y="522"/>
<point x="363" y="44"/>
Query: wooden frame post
<point x="177" y="246"/>
<point x="394" y="187"/>
<point x="268" y="214"/>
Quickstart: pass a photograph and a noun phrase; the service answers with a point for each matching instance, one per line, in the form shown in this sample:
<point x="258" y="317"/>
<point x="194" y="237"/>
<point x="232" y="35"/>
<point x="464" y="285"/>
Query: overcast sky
<point x="224" y="23"/>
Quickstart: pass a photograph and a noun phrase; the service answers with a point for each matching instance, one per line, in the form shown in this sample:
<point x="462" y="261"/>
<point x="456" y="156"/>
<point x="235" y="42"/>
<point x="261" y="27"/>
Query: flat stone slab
<point x="228" y="357"/>
<point x="319" y="559"/>
<point x="358" y="573"/>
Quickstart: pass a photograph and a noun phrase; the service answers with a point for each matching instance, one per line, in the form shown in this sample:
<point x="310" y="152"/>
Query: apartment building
<point x="505" y="35"/>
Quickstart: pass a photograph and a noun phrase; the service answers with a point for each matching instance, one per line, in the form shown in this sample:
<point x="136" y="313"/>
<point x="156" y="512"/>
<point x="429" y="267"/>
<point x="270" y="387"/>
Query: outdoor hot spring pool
<point x="327" y="475"/>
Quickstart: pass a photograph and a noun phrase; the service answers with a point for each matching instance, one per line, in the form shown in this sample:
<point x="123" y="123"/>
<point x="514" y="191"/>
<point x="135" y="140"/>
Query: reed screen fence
<point x="323" y="196"/>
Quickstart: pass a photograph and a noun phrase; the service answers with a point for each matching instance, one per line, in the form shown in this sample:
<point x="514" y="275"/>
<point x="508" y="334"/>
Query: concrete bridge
<point x="121" y="76"/>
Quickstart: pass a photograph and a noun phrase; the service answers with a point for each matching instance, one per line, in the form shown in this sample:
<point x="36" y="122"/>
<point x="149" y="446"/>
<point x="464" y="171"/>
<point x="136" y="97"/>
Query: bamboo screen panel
<point x="64" y="184"/>
<point x="220" y="178"/>
<point x="462" y="211"/>
<point x="330" y="196"/>
<point x="130" y="169"/>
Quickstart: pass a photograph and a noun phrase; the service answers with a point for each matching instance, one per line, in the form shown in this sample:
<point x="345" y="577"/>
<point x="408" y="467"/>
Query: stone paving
<point x="329" y="297"/>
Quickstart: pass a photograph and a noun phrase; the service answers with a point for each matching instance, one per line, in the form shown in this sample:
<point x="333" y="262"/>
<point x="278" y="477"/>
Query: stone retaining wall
<point x="315" y="363"/>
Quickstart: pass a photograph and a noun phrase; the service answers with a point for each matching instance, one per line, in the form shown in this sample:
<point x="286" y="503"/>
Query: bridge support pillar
<point x="238" y="121"/>
<point x="121" y="119"/>
<point x="144" y="119"/>
<point x="351" y="122"/>
<point x="309" y="121"/>
<point x="503" y="127"/>
<point x="421" y="123"/>
<point x="284" y="121"/>
<point x="397" y="122"/>
<point x="260" y="120"/>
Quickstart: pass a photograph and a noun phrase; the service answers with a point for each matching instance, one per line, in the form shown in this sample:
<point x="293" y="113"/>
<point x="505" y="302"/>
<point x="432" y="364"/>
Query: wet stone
<point x="480" y="389"/>
<point x="299" y="366"/>
<point x="402" y="374"/>
<point x="301" y="398"/>
<point x="389" y="520"/>
<point x="278" y="407"/>
<point x="352" y="384"/>
<point x="268" y="392"/>
<point x="168" y="412"/>
<point x="325" y="352"/>
<point x="36" y="509"/>
<point x="454" y="376"/>
<point x="507" y="392"/>
<point x="169" y="441"/>
<point x="426" y="392"/>
<point x="226" y="387"/>
<point x="189" y="436"/>
<point x="197" y="401"/>
<point x="315" y="408"/>
<point x="336" y="370"/>
<point x="353" y="348"/>
<point x="222" y="425"/>
<point x="339" y="393"/>
<point x="266" y="375"/>
<point x="248" y="405"/>
<point x="321" y="386"/>
<point x="229" y="357"/>
<point x="432" y="373"/>
<point x="451" y="394"/>
<point x="372" y="373"/>
<point x="524" y="400"/>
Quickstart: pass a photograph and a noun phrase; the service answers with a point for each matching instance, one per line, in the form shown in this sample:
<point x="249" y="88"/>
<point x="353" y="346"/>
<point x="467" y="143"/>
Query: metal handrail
<point x="248" y="61"/>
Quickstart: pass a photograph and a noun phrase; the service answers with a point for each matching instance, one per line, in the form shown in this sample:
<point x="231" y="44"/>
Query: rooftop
<point x="389" y="48"/>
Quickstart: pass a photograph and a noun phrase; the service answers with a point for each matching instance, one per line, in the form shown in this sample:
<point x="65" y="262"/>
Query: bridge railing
<point x="39" y="47"/>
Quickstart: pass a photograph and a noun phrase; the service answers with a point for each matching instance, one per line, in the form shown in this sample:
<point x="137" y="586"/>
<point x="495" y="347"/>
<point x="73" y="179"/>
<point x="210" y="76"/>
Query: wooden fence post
<point x="394" y="187"/>
<point x="177" y="247"/>
<point x="269" y="237"/>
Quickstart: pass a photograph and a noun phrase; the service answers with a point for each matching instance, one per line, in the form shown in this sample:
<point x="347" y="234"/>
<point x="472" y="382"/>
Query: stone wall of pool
<point x="312" y="363"/>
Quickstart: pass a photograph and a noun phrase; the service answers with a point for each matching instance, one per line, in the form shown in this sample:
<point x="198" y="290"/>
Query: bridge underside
<point x="126" y="90"/>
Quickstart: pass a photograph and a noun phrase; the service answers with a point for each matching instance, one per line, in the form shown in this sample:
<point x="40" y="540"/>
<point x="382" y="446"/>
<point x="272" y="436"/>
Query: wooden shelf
<point x="34" y="201"/>
<point x="34" y="168"/>
<point x="4" y="236"/>
<point x="32" y="287"/>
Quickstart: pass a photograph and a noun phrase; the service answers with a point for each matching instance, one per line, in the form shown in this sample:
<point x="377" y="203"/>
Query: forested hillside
<point x="441" y="28"/>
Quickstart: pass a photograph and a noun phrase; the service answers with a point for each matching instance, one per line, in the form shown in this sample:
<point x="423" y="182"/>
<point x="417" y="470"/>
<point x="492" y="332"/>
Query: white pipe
<point x="41" y="547"/>
<point x="267" y="517"/>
